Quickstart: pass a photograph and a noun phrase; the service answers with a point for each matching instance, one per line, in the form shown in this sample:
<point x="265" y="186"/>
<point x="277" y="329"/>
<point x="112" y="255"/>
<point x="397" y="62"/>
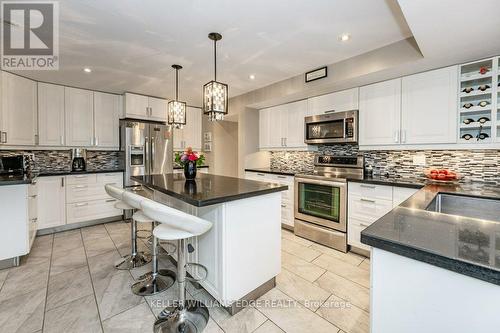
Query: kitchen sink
<point x="466" y="206"/>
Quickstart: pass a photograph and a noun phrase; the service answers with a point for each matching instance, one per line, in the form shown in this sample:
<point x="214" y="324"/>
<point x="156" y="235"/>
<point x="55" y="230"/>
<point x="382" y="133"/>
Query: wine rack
<point x="479" y="97"/>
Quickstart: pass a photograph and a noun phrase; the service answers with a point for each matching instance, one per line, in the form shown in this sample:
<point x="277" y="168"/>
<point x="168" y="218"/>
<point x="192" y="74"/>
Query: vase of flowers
<point x="189" y="160"/>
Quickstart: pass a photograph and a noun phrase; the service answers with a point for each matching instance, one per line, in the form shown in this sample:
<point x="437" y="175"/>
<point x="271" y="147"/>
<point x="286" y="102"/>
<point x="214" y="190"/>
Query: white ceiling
<point x="131" y="44"/>
<point x="454" y="29"/>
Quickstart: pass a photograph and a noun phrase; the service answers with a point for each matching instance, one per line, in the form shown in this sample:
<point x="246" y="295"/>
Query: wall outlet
<point x="419" y="159"/>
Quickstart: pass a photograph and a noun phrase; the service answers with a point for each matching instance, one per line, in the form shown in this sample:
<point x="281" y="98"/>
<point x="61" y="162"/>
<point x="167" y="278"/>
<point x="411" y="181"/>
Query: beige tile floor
<point x="68" y="284"/>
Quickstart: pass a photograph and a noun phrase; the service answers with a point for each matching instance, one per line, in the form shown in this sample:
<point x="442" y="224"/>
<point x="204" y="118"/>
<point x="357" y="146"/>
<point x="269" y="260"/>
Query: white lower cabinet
<point x="287" y="197"/>
<point x="367" y="203"/>
<point x="19" y="219"/>
<point x="51" y="202"/>
<point x="76" y="198"/>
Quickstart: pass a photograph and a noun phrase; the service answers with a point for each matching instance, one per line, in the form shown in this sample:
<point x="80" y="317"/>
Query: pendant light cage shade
<point x="176" y="110"/>
<point x="177" y="114"/>
<point x="215" y="100"/>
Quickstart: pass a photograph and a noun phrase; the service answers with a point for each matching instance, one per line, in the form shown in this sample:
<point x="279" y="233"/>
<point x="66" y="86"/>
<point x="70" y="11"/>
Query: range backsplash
<point x="475" y="165"/>
<point x="60" y="160"/>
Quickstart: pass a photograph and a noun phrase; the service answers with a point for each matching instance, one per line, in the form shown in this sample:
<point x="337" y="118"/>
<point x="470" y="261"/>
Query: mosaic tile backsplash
<point x="475" y="165"/>
<point x="60" y="160"/>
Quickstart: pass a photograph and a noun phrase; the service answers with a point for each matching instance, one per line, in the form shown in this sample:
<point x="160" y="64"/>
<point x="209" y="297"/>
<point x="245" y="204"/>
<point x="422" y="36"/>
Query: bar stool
<point x="117" y="193"/>
<point x="187" y="316"/>
<point x="135" y="259"/>
<point x="152" y="282"/>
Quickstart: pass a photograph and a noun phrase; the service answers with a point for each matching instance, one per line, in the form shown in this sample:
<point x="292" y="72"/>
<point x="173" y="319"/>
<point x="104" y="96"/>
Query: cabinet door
<point x="79" y="117"/>
<point x="429" y="107"/>
<point x="192" y="132"/>
<point x="339" y="101"/>
<point x="158" y="109"/>
<point x="136" y="106"/>
<point x="264" y="128"/>
<point x="19" y="110"/>
<point x="51" y="114"/>
<point x="106" y="119"/>
<point x="294" y="114"/>
<point x="380" y="113"/>
<point x="277" y="126"/>
<point x="51" y="202"/>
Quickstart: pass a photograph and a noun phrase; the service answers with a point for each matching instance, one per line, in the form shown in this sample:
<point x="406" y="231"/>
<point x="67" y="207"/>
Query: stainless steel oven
<point x="321" y="211"/>
<point x="321" y="200"/>
<point x="338" y="127"/>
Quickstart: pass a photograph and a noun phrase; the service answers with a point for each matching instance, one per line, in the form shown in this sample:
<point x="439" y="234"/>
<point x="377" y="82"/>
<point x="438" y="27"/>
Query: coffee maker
<point x="79" y="159"/>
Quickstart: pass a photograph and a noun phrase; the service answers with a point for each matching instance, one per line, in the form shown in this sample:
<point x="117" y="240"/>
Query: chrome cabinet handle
<point x="3" y="138"/>
<point x="81" y="204"/>
<point x="283" y="206"/>
<point x="111" y="200"/>
<point x="368" y="186"/>
<point x="364" y="225"/>
<point x="37" y="139"/>
<point x="62" y="181"/>
<point x="286" y="143"/>
<point x="283" y="177"/>
<point x="368" y="200"/>
<point x="61" y="139"/>
<point x="96" y="141"/>
<point x="81" y="186"/>
<point x="403" y="136"/>
<point x="396" y="136"/>
<point x="80" y="176"/>
<point x="33" y="196"/>
<point x="261" y="174"/>
<point x="34" y="220"/>
<point x="152" y="153"/>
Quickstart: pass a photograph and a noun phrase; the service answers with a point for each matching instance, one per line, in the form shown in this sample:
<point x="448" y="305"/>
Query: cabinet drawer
<point x="110" y="178"/>
<point x="371" y="191"/>
<point x="263" y="177"/>
<point x="81" y="179"/>
<point x="368" y="209"/>
<point x="91" y="210"/>
<point x="283" y="179"/>
<point x="85" y="192"/>
<point x="354" y="236"/>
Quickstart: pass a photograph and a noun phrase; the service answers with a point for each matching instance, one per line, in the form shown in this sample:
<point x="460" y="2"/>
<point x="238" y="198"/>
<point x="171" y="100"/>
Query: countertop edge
<point x="70" y="173"/>
<point x="204" y="203"/>
<point x="273" y="172"/>
<point x="461" y="267"/>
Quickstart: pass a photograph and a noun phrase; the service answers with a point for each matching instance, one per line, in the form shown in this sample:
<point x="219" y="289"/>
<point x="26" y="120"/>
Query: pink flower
<point x="184" y="157"/>
<point x="192" y="157"/>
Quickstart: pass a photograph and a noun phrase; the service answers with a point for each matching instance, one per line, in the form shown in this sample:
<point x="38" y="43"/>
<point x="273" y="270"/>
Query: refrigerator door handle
<point x="152" y="154"/>
<point x="147" y="167"/>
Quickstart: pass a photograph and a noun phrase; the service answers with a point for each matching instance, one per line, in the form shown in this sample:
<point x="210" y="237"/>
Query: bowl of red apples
<point x="442" y="175"/>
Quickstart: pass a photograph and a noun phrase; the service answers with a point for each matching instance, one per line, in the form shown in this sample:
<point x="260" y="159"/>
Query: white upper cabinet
<point x="344" y="100"/>
<point x="294" y="115"/>
<point x="282" y="126"/>
<point x="144" y="107"/>
<point x="136" y="106"/>
<point x="79" y="117"/>
<point x="429" y="107"/>
<point x="158" y="109"/>
<point x="19" y="110"/>
<point x="380" y="113"/>
<point x="190" y="135"/>
<point x="106" y="120"/>
<point x="51" y="114"/>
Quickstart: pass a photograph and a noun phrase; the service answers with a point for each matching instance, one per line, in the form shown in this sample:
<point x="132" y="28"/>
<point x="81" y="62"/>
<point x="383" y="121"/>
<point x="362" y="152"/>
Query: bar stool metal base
<point x="151" y="286"/>
<point x="192" y="318"/>
<point x="133" y="261"/>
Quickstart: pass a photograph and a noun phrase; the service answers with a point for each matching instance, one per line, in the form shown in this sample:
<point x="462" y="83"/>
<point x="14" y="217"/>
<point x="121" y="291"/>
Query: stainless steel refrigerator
<point x="147" y="147"/>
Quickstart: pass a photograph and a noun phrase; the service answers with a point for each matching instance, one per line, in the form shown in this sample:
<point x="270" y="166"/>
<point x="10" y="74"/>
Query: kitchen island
<point x="242" y="251"/>
<point x="435" y="261"/>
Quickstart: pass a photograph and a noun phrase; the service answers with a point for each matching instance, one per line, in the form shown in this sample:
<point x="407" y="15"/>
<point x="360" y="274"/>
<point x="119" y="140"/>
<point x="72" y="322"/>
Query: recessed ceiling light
<point x="87" y="70"/>
<point x="251" y="77"/>
<point x="344" y="37"/>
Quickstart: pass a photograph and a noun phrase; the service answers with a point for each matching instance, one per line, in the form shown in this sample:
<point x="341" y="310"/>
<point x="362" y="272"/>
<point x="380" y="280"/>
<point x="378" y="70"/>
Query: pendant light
<point x="177" y="109"/>
<point x="215" y="93"/>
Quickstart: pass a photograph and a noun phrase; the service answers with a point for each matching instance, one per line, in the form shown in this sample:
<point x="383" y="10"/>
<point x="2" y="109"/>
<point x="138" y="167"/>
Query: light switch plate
<point x="419" y="159"/>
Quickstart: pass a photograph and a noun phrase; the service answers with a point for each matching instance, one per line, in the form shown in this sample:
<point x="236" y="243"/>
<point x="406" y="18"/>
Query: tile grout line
<point x="143" y="297"/>
<point x="48" y="281"/>
<point x="92" y="283"/>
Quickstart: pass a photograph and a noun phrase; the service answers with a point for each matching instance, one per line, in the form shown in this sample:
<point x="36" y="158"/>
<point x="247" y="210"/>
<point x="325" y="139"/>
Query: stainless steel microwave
<point x="338" y="127"/>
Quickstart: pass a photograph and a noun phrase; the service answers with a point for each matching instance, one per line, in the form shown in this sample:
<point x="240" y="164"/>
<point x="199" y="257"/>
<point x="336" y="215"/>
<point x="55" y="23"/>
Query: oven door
<point x="321" y="202"/>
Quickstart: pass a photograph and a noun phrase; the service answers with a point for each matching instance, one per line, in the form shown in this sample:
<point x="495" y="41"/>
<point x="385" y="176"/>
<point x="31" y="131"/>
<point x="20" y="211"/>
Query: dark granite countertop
<point x="207" y="189"/>
<point x="417" y="182"/>
<point x="283" y="172"/>
<point x="14" y="180"/>
<point x="67" y="173"/>
<point x="465" y="245"/>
